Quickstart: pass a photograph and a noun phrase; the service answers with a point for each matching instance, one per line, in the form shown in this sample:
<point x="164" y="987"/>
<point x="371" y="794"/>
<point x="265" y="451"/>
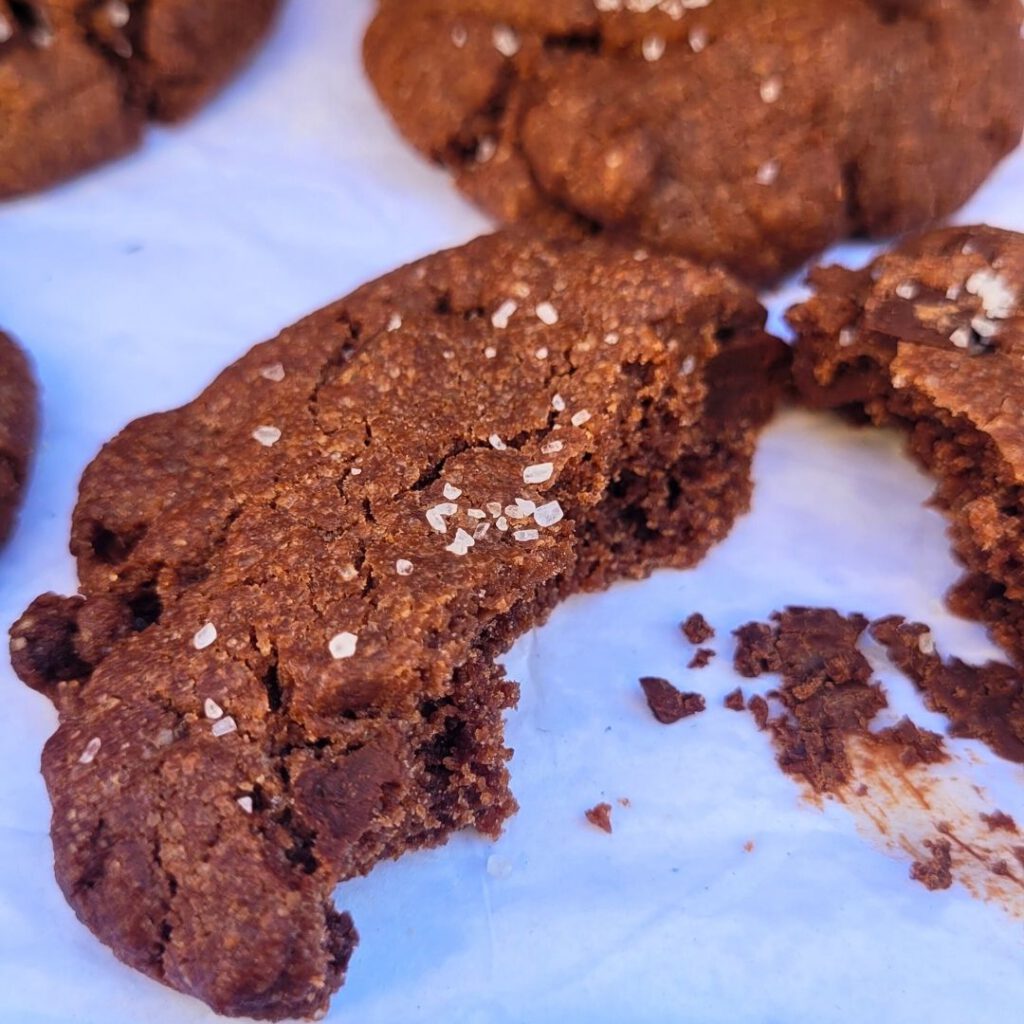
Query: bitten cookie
<point x="282" y="665"/>
<point x="79" y="79"/>
<point x="17" y="429"/>
<point x="748" y="132"/>
<point x="931" y="338"/>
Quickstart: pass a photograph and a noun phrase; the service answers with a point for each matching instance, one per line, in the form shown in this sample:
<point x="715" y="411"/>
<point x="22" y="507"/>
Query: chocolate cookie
<point x="281" y="668"/>
<point x="750" y="132"/>
<point x="17" y="429"/>
<point x="931" y="338"/>
<point x="80" y="78"/>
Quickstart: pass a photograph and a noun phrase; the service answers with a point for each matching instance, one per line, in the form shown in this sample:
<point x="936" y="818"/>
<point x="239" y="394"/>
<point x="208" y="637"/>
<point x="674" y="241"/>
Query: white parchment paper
<point x="132" y="286"/>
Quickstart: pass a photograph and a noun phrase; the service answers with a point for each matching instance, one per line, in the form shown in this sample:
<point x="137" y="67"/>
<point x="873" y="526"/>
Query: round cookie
<point x="79" y="79"/>
<point x="930" y="338"/>
<point x="281" y="667"/>
<point x="745" y="132"/>
<point x="17" y="430"/>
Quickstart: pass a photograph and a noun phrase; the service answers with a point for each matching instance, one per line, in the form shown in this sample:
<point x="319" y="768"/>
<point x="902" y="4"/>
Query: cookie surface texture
<point x="930" y="338"/>
<point x="18" y="420"/>
<point x="79" y="79"/>
<point x="742" y="132"/>
<point x="281" y="665"/>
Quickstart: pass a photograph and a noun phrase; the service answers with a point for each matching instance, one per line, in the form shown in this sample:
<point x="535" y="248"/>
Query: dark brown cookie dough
<point x="745" y="132"/>
<point x="79" y="79"/>
<point x="930" y="338"/>
<point x="281" y="668"/>
<point x="17" y="429"/>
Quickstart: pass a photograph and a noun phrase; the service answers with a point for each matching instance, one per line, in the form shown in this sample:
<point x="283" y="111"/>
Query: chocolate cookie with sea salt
<point x="18" y="417"/>
<point x="281" y="665"/>
<point x="79" y="79"/>
<point x="930" y="338"/>
<point x="749" y="132"/>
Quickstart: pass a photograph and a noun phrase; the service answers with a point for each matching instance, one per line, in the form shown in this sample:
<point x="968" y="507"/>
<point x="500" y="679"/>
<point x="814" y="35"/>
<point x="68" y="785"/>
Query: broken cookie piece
<point x="281" y="665"/>
<point x="667" y="704"/>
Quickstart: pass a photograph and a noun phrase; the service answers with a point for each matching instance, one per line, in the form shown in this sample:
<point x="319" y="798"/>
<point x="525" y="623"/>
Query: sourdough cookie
<point x="17" y="429"/>
<point x="748" y="132"/>
<point x="281" y="665"/>
<point x="80" y="78"/>
<point x="931" y="338"/>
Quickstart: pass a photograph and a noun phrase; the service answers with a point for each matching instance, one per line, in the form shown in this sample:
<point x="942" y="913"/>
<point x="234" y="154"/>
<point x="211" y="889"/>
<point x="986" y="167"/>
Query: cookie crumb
<point x="998" y="821"/>
<point x="343" y="645"/>
<point x="601" y="817"/>
<point x="934" y="872"/>
<point x="667" y="704"/>
<point x="697" y="629"/>
<point x="702" y="658"/>
<point x="734" y="701"/>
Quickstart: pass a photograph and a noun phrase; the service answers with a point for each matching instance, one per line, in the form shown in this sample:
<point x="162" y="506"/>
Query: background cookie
<point x="282" y="668"/>
<point x="739" y="131"/>
<point x="17" y="429"/>
<point x="931" y="338"/>
<point x="80" y="78"/>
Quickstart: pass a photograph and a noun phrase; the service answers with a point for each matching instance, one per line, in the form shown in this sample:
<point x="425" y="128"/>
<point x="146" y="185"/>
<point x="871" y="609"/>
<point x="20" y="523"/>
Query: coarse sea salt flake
<point x="539" y="473"/>
<point x="267" y="436"/>
<point x="223" y="726"/>
<point x="436" y="515"/>
<point x="505" y="40"/>
<point x="503" y="314"/>
<point x="204" y="637"/>
<point x="549" y="514"/>
<point x="462" y="543"/>
<point x="546" y="313"/>
<point x="92" y="748"/>
<point x="342" y="645"/>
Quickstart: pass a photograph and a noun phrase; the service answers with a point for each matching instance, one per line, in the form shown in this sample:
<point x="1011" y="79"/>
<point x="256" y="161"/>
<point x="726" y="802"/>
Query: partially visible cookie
<point x="281" y="668"/>
<point x="930" y="338"/>
<point x="79" y="79"/>
<point x="17" y="429"/>
<point x="748" y="132"/>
